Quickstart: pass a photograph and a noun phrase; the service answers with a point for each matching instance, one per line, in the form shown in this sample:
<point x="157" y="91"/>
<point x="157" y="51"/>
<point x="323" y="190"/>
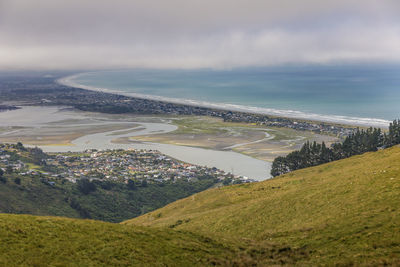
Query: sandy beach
<point x="287" y="113"/>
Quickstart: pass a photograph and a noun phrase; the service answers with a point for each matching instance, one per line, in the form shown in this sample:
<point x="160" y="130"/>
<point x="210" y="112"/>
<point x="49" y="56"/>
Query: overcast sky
<point x="99" y="34"/>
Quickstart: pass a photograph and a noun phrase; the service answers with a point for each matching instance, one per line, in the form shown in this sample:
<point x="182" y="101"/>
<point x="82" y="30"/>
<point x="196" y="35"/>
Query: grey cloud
<point x="193" y="34"/>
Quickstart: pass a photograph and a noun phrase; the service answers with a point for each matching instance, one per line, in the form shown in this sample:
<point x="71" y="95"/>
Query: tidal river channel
<point x="42" y="117"/>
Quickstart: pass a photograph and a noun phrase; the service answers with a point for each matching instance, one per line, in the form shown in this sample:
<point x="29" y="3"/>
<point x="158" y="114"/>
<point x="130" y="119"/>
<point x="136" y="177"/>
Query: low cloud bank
<point x="177" y="34"/>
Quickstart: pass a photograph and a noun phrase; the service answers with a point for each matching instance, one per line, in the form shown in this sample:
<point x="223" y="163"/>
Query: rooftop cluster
<point x="140" y="166"/>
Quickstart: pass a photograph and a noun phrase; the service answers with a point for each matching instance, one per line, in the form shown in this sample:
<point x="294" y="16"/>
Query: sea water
<point x="354" y="94"/>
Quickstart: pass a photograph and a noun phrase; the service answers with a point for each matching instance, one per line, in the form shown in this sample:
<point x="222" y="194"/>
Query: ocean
<point x="353" y="94"/>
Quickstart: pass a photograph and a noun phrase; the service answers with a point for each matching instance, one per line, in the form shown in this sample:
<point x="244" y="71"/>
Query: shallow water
<point x="35" y="116"/>
<point x="228" y="161"/>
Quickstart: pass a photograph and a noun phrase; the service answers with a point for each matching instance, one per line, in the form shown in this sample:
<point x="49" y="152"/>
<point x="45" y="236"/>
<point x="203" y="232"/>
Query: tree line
<point x="313" y="154"/>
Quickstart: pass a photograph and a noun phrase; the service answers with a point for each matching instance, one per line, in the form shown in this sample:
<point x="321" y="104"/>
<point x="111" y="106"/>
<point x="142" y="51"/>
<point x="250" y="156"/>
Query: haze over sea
<point x="353" y="94"/>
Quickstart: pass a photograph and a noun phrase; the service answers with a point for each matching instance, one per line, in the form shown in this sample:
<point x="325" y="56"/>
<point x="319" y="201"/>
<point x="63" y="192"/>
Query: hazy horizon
<point x="55" y="34"/>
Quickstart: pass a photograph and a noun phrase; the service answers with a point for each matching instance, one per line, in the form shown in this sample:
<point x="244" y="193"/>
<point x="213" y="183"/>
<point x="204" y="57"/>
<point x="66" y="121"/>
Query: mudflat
<point x="49" y="126"/>
<point x="263" y="143"/>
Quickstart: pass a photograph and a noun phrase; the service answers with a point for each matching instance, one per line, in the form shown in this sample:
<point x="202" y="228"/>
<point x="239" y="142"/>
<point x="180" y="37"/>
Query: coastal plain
<point x="264" y="143"/>
<point x="60" y="126"/>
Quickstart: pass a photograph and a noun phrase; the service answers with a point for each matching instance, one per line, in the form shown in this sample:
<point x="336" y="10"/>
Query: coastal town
<point x="125" y="166"/>
<point x="45" y="91"/>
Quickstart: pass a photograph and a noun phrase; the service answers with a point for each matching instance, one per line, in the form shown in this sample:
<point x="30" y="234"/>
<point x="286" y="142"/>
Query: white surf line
<point x="293" y="114"/>
<point x="267" y="137"/>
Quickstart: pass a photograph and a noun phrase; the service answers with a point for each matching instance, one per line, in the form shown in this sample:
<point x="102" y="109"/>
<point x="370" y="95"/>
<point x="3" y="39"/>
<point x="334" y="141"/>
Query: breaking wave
<point x="294" y="114"/>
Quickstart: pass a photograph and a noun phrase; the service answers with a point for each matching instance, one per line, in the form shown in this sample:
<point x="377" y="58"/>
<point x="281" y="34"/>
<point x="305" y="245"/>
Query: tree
<point x="279" y="166"/>
<point x="9" y="169"/>
<point x="38" y="156"/>
<point x="86" y="186"/>
<point x="106" y="185"/>
<point x="20" y="146"/>
<point x="227" y="181"/>
<point x="2" y="178"/>
<point x="393" y="136"/>
<point x="131" y="184"/>
<point x="17" y="180"/>
<point x="360" y="141"/>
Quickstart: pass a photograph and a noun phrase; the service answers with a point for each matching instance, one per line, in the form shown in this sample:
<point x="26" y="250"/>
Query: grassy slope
<point x="346" y="212"/>
<point x="343" y="212"/>
<point x="37" y="241"/>
<point x="113" y="205"/>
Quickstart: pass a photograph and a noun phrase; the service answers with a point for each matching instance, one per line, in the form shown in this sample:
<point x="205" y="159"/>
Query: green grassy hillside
<point x="344" y="212"/>
<point x="27" y="240"/>
<point x="341" y="213"/>
<point x="49" y="241"/>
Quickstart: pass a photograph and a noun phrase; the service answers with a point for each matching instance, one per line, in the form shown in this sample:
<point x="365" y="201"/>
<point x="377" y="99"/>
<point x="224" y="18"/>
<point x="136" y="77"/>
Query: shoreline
<point x="94" y="131"/>
<point x="62" y="127"/>
<point x="285" y="114"/>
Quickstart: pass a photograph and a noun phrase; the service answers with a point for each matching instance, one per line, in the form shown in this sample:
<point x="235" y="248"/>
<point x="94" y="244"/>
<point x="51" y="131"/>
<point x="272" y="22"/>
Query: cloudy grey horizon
<point x="99" y="34"/>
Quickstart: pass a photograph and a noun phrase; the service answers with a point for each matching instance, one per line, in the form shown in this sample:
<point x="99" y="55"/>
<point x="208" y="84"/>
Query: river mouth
<point x="56" y="129"/>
